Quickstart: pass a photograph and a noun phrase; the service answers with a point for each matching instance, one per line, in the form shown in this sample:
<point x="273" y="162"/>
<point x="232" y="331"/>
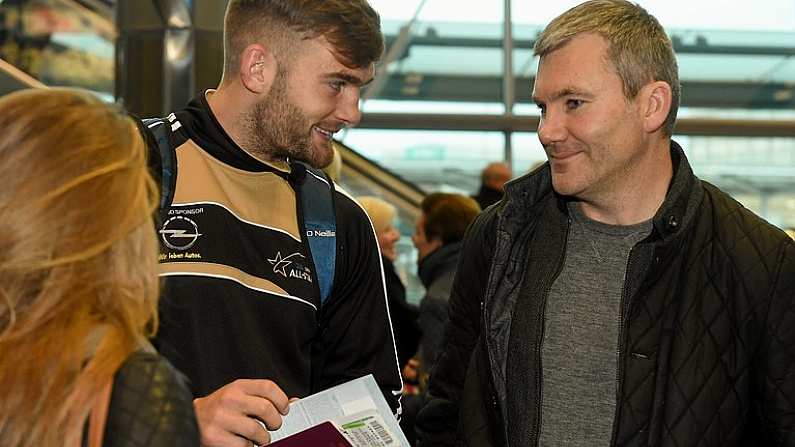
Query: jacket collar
<point x="682" y="200"/>
<point x="204" y="128"/>
<point x="676" y="212"/>
<point x="439" y="260"/>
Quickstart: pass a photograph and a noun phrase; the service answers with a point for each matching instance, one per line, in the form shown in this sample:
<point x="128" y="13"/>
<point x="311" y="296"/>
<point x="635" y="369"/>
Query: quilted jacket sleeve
<point x="150" y="406"/>
<point x="437" y="422"/>
<point x="778" y="357"/>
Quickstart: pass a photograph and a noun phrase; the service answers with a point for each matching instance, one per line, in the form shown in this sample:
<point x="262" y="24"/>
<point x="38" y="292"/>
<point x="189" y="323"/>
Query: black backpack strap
<point x="159" y="129"/>
<point x="320" y="226"/>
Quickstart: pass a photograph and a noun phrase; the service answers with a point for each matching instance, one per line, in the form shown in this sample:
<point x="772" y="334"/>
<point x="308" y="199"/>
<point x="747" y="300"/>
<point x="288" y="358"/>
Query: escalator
<point x="363" y="177"/>
<point x="13" y="79"/>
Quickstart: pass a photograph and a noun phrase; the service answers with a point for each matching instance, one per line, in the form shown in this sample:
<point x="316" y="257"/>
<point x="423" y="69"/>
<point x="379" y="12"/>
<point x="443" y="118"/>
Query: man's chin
<point x="321" y="156"/>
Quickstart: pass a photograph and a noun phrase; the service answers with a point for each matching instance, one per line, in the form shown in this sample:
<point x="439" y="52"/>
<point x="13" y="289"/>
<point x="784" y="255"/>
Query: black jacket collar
<point x="437" y="262"/>
<point x="677" y="210"/>
<point x="203" y="127"/>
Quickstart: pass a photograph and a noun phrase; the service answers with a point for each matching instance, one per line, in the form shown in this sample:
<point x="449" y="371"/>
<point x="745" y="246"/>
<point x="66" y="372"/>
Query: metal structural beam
<point x="745" y="95"/>
<point x="508" y="77"/>
<point x="516" y="123"/>
<point x="166" y="51"/>
<point x="700" y="46"/>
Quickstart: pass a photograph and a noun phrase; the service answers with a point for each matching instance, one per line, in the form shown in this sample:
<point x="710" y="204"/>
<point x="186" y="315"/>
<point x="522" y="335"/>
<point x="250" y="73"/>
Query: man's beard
<point x="279" y="129"/>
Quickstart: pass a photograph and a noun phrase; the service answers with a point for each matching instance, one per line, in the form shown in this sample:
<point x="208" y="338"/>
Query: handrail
<point x="12" y="78"/>
<point x="380" y="181"/>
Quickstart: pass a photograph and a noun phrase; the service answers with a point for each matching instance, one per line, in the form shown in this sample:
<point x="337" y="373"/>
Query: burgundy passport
<point x="321" y="435"/>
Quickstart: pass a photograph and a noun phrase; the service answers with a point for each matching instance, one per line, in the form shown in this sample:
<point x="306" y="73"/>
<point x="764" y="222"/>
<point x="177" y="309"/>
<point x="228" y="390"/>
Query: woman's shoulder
<point x="151" y="405"/>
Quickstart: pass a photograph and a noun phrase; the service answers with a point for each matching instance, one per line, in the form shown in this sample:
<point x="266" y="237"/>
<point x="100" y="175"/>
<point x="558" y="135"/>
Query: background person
<point x="404" y="315"/>
<point x="492" y="184"/>
<point x="437" y="236"/>
<point x="78" y="281"/>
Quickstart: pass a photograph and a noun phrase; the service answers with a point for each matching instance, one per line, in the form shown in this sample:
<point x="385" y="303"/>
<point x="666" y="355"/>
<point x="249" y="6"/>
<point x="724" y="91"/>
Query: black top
<point x="150" y="406"/>
<point x="404" y="315"/>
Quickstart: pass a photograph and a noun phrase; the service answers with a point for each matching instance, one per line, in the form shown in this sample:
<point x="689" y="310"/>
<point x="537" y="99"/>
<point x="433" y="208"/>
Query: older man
<point x="613" y="298"/>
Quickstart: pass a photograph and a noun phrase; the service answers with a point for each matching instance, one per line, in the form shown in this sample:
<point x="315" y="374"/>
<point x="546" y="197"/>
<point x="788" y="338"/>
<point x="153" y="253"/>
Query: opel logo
<point x="179" y="233"/>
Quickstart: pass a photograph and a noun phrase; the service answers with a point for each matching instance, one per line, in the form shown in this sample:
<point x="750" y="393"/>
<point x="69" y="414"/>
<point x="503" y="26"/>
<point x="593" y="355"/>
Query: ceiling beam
<point x="528" y="123"/>
<point x="701" y="44"/>
<point x="714" y="94"/>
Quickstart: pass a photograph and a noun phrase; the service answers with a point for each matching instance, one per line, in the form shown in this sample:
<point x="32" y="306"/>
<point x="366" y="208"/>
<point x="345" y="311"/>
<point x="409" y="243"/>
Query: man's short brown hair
<point x="640" y="51"/>
<point x="447" y="216"/>
<point x="351" y="26"/>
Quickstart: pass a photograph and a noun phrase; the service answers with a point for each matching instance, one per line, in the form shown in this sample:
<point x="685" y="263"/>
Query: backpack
<point x="315" y="191"/>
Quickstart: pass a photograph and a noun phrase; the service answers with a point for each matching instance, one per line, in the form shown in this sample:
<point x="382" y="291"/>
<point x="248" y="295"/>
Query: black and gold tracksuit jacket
<point x="240" y="297"/>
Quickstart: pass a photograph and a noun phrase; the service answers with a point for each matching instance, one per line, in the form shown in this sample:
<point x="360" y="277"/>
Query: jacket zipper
<point x="621" y="346"/>
<point x="541" y="323"/>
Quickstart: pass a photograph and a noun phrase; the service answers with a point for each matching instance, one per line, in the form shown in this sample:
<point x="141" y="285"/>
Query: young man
<point x="242" y="313"/>
<point x="613" y="298"/>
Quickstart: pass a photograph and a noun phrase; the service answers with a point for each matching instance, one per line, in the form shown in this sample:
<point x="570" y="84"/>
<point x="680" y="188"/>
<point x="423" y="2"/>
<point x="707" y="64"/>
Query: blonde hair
<point x="78" y="255"/>
<point x="381" y="213"/>
<point x="640" y="51"/>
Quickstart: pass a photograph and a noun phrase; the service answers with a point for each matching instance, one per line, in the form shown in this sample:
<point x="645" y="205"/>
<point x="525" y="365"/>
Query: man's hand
<point x="228" y="417"/>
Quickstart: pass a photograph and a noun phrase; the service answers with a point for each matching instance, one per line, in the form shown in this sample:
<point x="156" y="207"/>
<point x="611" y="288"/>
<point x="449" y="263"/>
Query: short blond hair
<point x="639" y="49"/>
<point x="381" y="213"/>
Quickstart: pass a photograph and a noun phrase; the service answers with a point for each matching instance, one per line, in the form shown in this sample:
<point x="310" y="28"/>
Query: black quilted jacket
<point x="150" y="406"/>
<point x="707" y="341"/>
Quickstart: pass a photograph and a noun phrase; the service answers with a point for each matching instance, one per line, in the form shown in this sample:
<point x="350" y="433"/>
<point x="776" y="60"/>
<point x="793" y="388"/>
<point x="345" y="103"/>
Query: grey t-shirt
<point x="581" y="328"/>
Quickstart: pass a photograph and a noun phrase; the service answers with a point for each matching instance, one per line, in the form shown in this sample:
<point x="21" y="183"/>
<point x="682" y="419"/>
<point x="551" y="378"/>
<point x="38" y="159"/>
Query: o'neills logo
<point x="179" y="233"/>
<point x="321" y="233"/>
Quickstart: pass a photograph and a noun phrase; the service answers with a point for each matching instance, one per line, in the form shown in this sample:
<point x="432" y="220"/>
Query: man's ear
<point x="655" y="104"/>
<point x="258" y="68"/>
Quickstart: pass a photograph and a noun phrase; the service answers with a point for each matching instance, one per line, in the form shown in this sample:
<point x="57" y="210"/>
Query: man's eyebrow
<point x="562" y="93"/>
<point x="351" y="79"/>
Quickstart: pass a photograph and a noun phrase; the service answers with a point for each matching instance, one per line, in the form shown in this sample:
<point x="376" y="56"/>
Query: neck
<point x="638" y="195"/>
<point x="232" y="107"/>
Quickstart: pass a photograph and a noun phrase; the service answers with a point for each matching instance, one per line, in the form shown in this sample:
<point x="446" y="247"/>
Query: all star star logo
<point x="291" y="266"/>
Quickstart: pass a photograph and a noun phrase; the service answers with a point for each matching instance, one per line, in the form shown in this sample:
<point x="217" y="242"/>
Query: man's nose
<point x="551" y="128"/>
<point x="348" y="108"/>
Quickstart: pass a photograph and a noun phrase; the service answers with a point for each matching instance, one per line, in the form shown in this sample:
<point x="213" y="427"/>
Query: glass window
<point x="527" y="152"/>
<point x="433" y="160"/>
<point x="478" y="11"/>
<point x="773" y="15"/>
<point x="758" y="172"/>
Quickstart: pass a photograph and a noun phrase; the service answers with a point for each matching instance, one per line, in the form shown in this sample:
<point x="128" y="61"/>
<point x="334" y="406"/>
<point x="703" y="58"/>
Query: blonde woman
<point x="404" y="316"/>
<point x="78" y="285"/>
